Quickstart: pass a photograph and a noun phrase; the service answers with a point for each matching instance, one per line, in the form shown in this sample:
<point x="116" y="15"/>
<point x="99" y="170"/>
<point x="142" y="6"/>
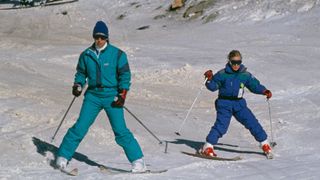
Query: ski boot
<point x="139" y="166"/>
<point x="266" y="148"/>
<point x="207" y="150"/>
<point x="61" y="162"/>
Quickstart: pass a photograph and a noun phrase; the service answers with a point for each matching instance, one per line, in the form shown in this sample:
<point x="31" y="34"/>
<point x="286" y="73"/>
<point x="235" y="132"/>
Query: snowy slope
<point x="280" y="42"/>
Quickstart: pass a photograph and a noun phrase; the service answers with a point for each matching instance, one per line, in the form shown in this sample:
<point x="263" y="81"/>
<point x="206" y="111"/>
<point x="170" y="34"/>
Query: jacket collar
<point x="101" y="49"/>
<point x="94" y="49"/>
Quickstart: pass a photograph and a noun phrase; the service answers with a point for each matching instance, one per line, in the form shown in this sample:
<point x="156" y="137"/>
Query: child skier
<point x="230" y="82"/>
<point x="107" y="70"/>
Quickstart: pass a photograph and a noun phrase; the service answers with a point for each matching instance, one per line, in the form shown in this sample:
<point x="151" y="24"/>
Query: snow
<point x="280" y="43"/>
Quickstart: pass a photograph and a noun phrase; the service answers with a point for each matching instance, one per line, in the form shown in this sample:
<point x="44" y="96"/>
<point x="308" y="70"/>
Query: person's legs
<point x="90" y="109"/>
<point x="123" y="136"/>
<point x="220" y="127"/>
<point x="246" y="118"/>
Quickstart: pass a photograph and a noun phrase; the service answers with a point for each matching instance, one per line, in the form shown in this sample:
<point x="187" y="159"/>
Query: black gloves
<point x="76" y="90"/>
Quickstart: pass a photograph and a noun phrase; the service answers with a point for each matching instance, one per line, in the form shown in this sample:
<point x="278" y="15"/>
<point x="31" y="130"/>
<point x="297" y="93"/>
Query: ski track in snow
<point x="280" y="43"/>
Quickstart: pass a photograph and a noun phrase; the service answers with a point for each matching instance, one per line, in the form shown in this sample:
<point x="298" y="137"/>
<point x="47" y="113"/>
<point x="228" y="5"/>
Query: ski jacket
<point x="231" y="83"/>
<point x="107" y="72"/>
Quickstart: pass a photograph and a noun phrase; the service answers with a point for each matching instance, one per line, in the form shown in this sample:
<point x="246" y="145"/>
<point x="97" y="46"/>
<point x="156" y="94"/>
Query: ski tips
<point x="177" y="133"/>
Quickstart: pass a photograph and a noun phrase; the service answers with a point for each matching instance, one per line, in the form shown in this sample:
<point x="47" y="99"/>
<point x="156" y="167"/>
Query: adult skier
<point x="231" y="82"/>
<point x="107" y="70"/>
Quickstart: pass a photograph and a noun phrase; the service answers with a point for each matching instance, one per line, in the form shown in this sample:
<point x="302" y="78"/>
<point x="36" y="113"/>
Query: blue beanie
<point x="101" y="29"/>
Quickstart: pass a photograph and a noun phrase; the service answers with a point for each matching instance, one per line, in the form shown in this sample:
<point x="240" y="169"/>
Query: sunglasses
<point x="234" y="62"/>
<point x="96" y="37"/>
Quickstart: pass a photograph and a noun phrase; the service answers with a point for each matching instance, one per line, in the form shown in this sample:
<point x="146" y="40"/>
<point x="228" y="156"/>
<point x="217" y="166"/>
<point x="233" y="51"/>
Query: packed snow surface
<point x="280" y="42"/>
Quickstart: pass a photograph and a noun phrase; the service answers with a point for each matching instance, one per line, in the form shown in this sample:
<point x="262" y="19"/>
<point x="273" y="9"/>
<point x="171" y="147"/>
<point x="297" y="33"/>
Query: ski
<point x="53" y="3"/>
<point x="111" y="170"/>
<point x="152" y="172"/>
<point x="237" y="158"/>
<point x="269" y="155"/>
<point x="73" y="172"/>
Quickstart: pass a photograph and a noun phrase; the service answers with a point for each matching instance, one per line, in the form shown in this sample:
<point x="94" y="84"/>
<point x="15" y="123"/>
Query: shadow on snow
<point x="44" y="147"/>
<point x="197" y="145"/>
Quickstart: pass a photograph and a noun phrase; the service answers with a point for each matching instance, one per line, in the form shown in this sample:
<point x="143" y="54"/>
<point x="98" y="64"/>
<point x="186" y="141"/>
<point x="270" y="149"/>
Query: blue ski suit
<point x="107" y="73"/>
<point x="230" y="102"/>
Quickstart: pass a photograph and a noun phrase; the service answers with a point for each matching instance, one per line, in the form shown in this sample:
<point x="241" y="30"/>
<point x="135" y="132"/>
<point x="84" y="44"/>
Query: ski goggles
<point x="96" y="37"/>
<point x="234" y="62"/>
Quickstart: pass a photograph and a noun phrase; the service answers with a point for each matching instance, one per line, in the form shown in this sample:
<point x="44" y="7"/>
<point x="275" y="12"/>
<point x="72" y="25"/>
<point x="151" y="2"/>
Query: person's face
<point x="100" y="41"/>
<point x="235" y="62"/>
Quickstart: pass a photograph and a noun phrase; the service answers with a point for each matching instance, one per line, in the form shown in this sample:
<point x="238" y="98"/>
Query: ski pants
<point x="237" y="108"/>
<point x="91" y="107"/>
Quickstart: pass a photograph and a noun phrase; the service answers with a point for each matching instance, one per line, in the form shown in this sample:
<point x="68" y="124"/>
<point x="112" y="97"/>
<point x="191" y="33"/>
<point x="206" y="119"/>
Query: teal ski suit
<point x="107" y="72"/>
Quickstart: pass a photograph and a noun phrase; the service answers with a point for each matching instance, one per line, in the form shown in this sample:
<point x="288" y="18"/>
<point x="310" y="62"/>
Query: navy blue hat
<point x="101" y="29"/>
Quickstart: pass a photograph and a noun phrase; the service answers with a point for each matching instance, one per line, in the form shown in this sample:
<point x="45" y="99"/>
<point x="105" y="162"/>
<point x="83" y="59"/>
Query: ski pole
<point x="136" y="118"/>
<point x="178" y="132"/>
<point x="272" y="143"/>
<point x="63" y="118"/>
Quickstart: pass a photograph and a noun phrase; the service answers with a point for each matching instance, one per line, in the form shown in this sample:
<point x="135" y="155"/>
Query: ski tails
<point x="236" y="158"/>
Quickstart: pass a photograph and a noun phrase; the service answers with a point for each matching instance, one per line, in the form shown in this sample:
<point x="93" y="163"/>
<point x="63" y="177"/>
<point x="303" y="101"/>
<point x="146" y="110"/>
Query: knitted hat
<point x="101" y="29"/>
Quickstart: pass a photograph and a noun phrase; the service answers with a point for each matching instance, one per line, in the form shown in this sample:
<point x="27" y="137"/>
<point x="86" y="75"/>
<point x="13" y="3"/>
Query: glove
<point x="76" y="90"/>
<point x="121" y="99"/>
<point x="208" y="74"/>
<point x="267" y="93"/>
